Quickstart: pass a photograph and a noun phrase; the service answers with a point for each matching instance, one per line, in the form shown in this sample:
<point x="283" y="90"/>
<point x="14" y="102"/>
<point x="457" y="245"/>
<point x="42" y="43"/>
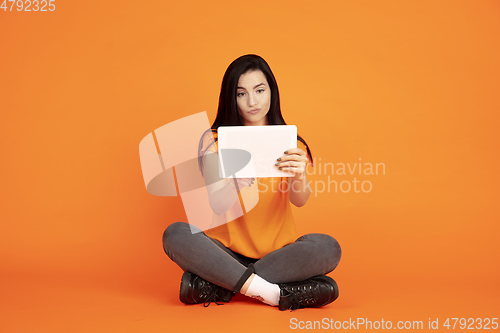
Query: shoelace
<point x="302" y="296"/>
<point x="212" y="294"/>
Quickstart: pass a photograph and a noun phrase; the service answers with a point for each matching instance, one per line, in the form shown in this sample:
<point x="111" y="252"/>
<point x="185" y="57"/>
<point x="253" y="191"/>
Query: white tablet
<point x="251" y="151"/>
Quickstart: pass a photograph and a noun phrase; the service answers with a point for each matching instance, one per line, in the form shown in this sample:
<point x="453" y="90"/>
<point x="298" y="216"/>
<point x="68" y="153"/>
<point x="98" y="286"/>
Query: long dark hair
<point x="227" y="112"/>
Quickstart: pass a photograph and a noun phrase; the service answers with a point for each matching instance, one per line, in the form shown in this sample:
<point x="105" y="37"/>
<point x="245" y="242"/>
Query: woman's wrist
<point x="299" y="191"/>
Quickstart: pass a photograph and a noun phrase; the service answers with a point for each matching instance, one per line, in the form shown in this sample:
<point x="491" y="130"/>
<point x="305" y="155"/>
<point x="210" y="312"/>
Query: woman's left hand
<point x="294" y="160"/>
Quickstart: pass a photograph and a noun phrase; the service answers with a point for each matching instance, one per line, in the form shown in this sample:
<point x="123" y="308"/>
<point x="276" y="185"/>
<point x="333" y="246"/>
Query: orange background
<point x="413" y="85"/>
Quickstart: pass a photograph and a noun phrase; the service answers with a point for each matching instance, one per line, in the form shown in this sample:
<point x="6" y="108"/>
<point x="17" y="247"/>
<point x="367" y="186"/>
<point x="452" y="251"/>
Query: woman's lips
<point x="254" y="111"/>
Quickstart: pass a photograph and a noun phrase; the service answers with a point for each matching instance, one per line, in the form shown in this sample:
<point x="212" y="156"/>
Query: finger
<point x="291" y="160"/>
<point x="296" y="151"/>
<point x="287" y="164"/>
<point x="298" y="168"/>
<point x="295" y="154"/>
<point x="292" y="171"/>
<point x="242" y="182"/>
<point x="292" y="165"/>
<point x="247" y="181"/>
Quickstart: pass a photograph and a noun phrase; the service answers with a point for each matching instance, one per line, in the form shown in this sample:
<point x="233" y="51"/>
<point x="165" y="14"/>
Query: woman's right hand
<point x="239" y="183"/>
<point x="222" y="192"/>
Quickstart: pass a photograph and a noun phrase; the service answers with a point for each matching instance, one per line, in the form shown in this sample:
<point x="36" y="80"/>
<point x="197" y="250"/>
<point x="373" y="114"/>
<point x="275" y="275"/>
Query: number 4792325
<point x="28" y="5"/>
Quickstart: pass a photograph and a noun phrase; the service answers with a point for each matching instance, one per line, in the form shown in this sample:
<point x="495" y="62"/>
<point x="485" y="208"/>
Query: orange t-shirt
<point x="268" y="226"/>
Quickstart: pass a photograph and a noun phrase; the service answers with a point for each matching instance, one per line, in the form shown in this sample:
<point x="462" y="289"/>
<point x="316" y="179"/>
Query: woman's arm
<point x="300" y="191"/>
<point x="222" y="193"/>
<point x="295" y="160"/>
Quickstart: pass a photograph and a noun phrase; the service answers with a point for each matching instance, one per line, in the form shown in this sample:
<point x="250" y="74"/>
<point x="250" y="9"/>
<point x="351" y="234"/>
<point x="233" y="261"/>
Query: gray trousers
<point x="308" y="256"/>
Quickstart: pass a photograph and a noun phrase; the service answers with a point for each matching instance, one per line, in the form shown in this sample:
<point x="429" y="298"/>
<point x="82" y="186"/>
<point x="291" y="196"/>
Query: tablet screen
<point x="251" y="151"/>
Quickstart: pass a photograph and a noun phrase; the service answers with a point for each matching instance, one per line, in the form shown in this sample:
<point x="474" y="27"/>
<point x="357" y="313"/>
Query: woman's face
<point x="253" y="96"/>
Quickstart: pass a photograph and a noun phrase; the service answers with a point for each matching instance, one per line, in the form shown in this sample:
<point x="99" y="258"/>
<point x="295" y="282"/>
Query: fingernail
<point x="286" y="151"/>
<point x="253" y="179"/>
<point x="279" y="159"/>
<point x="276" y="164"/>
<point x="280" y="168"/>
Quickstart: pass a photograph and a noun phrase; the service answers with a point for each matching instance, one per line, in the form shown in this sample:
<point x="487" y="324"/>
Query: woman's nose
<point x="251" y="100"/>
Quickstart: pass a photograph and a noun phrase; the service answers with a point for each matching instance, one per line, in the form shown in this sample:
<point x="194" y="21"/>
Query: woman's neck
<point x="263" y="122"/>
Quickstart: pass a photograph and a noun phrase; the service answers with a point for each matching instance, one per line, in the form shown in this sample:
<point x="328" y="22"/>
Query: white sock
<point x="264" y="291"/>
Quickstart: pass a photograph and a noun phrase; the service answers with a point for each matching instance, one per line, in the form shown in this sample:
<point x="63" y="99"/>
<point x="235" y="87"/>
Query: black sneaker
<point x="195" y="290"/>
<point x="312" y="293"/>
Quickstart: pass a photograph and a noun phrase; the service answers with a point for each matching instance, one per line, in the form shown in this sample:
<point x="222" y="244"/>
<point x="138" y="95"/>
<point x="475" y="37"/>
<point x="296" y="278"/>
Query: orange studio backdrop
<point x="398" y="101"/>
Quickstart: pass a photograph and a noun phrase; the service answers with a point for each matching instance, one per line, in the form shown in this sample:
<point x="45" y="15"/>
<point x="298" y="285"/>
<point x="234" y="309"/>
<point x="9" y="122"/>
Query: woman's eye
<point x="260" y="91"/>
<point x="240" y="94"/>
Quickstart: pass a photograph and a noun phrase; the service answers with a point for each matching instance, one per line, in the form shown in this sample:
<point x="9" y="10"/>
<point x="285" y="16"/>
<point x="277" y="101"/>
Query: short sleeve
<point x="208" y="143"/>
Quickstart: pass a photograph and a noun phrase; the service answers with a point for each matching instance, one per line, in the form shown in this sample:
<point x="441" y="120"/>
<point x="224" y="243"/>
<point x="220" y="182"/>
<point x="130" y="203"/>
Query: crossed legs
<point x="309" y="255"/>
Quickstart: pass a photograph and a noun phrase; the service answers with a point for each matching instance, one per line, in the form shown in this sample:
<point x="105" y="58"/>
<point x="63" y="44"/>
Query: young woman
<point x="257" y="254"/>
